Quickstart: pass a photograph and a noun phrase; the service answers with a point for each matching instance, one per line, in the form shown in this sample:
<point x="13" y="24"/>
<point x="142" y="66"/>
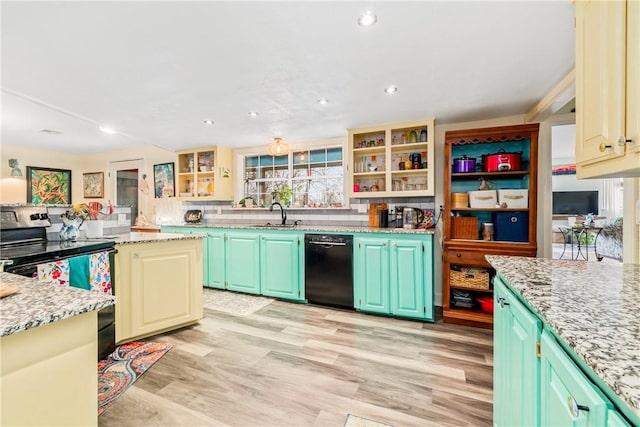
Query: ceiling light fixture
<point x="367" y="19"/>
<point x="323" y="101"/>
<point x="254" y="113"/>
<point x="208" y="122"/>
<point x="278" y="148"/>
<point x="391" y="89"/>
<point x="51" y="132"/>
<point x="108" y="130"/>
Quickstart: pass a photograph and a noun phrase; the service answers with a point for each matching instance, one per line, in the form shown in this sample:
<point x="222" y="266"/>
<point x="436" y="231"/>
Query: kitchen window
<point x="315" y="177"/>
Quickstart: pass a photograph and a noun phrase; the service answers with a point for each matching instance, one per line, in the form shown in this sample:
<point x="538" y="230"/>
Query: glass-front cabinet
<point x="204" y="174"/>
<point x="393" y="160"/>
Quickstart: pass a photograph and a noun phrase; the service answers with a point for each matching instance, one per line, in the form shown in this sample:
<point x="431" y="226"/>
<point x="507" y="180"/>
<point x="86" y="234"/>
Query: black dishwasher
<point x="328" y="273"/>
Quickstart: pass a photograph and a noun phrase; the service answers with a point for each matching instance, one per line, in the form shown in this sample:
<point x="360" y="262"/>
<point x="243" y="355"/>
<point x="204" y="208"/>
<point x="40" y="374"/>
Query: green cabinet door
<point x="214" y="260"/>
<point x="516" y="365"/>
<point x="407" y="279"/>
<point x="568" y="398"/>
<point x="242" y="262"/>
<point x="371" y="275"/>
<point x="280" y="265"/>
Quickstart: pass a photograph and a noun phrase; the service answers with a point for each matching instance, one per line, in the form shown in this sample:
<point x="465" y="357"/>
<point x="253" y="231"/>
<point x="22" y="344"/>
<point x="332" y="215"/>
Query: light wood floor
<point x="300" y="365"/>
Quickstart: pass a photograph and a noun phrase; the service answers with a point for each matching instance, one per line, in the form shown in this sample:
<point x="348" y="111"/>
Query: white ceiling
<point x="155" y="70"/>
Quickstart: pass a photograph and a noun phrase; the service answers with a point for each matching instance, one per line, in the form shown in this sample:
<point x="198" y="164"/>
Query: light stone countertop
<point x="306" y="227"/>
<point x="593" y="307"/>
<point x="36" y="304"/>
<point x="142" y="237"/>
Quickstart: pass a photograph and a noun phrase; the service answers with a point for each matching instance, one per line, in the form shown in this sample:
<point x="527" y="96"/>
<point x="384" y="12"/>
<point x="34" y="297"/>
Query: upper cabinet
<point x="204" y="174"/>
<point x="393" y="160"/>
<point x="607" y="88"/>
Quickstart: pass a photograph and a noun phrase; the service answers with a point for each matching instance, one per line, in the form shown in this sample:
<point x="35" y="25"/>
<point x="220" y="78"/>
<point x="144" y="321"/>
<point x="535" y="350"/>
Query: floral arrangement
<point x="88" y="211"/>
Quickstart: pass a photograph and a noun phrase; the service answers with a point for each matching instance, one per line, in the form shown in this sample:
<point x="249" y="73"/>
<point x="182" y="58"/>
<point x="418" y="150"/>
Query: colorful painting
<point x="563" y="170"/>
<point x="93" y="185"/>
<point x="163" y="181"/>
<point x="48" y="186"/>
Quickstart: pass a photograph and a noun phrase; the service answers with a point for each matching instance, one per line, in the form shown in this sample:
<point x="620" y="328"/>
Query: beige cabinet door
<point x="158" y="286"/>
<point x="600" y="80"/>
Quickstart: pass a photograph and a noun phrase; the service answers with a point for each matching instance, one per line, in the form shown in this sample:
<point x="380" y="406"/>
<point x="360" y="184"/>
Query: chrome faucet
<point x="283" y="213"/>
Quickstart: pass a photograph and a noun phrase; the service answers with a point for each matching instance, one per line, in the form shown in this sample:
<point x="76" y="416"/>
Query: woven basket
<point x="467" y="280"/>
<point x="464" y="227"/>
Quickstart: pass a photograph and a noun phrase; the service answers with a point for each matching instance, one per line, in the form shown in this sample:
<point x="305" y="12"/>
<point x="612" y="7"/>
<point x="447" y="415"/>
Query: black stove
<point x="24" y="245"/>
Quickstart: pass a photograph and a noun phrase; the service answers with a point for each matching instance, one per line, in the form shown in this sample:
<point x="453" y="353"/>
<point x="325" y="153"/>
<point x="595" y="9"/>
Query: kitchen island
<point x="49" y="348"/>
<point x="159" y="283"/>
<point x="592" y="311"/>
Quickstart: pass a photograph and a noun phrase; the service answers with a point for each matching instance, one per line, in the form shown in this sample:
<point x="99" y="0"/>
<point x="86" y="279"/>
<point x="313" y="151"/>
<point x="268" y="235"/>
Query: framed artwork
<point x="163" y="180"/>
<point x="93" y="185"/>
<point x="48" y="186"/>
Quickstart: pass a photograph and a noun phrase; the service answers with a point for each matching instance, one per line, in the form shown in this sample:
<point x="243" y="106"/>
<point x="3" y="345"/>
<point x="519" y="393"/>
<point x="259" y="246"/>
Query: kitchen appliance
<point x="411" y="217"/>
<point x="193" y="216"/>
<point x="511" y="226"/>
<point x="502" y="161"/>
<point x="464" y="164"/>
<point x="328" y="277"/>
<point x="383" y="215"/>
<point x="24" y="245"/>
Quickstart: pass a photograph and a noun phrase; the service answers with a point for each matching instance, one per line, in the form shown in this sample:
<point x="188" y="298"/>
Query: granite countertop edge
<point x="598" y="323"/>
<point x="37" y="304"/>
<point x="304" y="227"/>
<point x="143" y="237"/>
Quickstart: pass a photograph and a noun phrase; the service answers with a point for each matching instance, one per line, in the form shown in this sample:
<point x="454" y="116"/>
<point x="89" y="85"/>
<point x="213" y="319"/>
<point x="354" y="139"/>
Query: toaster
<point x="193" y="216"/>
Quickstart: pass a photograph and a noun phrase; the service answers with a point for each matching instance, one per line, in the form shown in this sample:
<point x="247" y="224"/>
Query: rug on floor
<point x="356" y="421"/>
<point x="121" y="368"/>
<point x="234" y="303"/>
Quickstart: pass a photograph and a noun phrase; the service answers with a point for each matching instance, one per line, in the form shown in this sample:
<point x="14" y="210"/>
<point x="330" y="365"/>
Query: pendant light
<point x="278" y="148"/>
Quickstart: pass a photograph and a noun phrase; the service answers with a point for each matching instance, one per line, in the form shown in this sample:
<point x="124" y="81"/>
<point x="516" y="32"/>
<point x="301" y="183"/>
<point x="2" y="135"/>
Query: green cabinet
<point x="371" y="275"/>
<point x="535" y="380"/>
<point x="516" y="370"/>
<point x="280" y="265"/>
<point x="214" y="261"/>
<point x="242" y="262"/>
<point x="567" y="397"/>
<point x="394" y="275"/>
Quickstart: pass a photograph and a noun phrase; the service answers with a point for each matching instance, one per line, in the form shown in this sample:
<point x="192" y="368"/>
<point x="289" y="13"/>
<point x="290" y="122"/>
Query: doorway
<point x="125" y="178"/>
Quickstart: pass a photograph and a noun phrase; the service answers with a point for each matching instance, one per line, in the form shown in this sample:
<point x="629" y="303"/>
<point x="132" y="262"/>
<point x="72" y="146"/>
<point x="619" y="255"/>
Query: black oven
<point x="24" y="245"/>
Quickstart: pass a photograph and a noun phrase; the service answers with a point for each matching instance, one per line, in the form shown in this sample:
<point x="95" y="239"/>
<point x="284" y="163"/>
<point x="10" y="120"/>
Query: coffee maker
<point x="411" y="217"/>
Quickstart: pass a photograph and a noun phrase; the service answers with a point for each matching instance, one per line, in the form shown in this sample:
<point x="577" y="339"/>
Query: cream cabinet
<point x="204" y="174"/>
<point x="158" y="286"/>
<point x="393" y="160"/>
<point x="607" y="88"/>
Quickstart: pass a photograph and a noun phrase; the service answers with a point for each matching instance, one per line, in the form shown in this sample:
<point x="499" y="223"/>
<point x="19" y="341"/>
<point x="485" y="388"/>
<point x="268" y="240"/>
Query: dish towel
<point x="100" y="272"/>
<point x="56" y="272"/>
<point x="79" y="272"/>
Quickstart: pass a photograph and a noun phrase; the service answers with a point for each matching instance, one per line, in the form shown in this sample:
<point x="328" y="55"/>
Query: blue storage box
<point x="511" y="226"/>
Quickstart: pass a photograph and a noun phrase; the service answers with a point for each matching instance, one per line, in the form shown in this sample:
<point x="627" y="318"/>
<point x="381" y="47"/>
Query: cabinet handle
<point x="384" y="244"/>
<point x="458" y="254"/>
<point x="503" y="302"/>
<point x="574" y="408"/>
<point x="602" y="147"/>
<point x="623" y="140"/>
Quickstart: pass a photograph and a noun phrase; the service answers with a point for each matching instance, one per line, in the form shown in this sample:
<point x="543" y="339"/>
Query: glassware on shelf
<point x="413" y="137"/>
<point x="404" y="138"/>
<point x="423" y="135"/>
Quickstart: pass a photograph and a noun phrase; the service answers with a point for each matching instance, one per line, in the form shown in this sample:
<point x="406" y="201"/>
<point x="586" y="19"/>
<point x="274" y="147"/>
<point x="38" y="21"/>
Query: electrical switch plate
<point x="122" y="219"/>
<point x="391" y="207"/>
<point x="362" y="208"/>
<point x="219" y="210"/>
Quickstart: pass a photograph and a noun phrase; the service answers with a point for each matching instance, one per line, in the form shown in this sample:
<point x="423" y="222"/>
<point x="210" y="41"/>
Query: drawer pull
<point x="602" y="147"/>
<point x="459" y="255"/>
<point x="574" y="408"/>
<point x="623" y="140"/>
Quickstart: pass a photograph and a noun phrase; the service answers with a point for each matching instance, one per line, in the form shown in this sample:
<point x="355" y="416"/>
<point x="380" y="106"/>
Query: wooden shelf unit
<point x="469" y="253"/>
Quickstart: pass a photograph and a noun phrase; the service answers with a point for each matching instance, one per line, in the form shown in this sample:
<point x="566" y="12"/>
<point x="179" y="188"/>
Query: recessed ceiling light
<point x="208" y="122"/>
<point x="254" y="113"/>
<point x="323" y="101"/>
<point x="391" y="89"/>
<point x="51" y="131"/>
<point x="108" y="130"/>
<point x="367" y="19"/>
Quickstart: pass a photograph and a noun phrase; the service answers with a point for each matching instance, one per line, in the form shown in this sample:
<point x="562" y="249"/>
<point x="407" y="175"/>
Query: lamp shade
<point x="278" y="148"/>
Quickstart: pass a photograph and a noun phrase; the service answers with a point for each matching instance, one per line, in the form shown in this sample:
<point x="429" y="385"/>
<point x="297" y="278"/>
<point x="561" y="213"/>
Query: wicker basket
<point x="464" y="227"/>
<point x="478" y="279"/>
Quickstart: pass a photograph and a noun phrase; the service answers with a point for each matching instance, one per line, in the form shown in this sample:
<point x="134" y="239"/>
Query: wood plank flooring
<point x="300" y="365"/>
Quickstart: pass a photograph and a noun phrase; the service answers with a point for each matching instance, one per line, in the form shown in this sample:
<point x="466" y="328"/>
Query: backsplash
<point x="223" y="213"/>
<point x="117" y="223"/>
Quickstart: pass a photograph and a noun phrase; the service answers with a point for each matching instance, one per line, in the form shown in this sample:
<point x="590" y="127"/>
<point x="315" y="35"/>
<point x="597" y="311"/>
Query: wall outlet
<point x="391" y="207"/>
<point x="219" y="210"/>
<point x="122" y="219"/>
<point x="362" y="208"/>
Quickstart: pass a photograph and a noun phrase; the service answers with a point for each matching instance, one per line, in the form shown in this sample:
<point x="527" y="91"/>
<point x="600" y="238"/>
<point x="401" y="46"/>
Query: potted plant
<point x="283" y="195"/>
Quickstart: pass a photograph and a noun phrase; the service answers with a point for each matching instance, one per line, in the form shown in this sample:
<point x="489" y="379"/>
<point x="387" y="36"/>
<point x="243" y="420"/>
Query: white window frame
<point x="242" y="153"/>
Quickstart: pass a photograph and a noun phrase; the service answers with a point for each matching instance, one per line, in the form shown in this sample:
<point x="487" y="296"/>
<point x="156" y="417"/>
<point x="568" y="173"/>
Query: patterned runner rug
<point x="121" y="368"/>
